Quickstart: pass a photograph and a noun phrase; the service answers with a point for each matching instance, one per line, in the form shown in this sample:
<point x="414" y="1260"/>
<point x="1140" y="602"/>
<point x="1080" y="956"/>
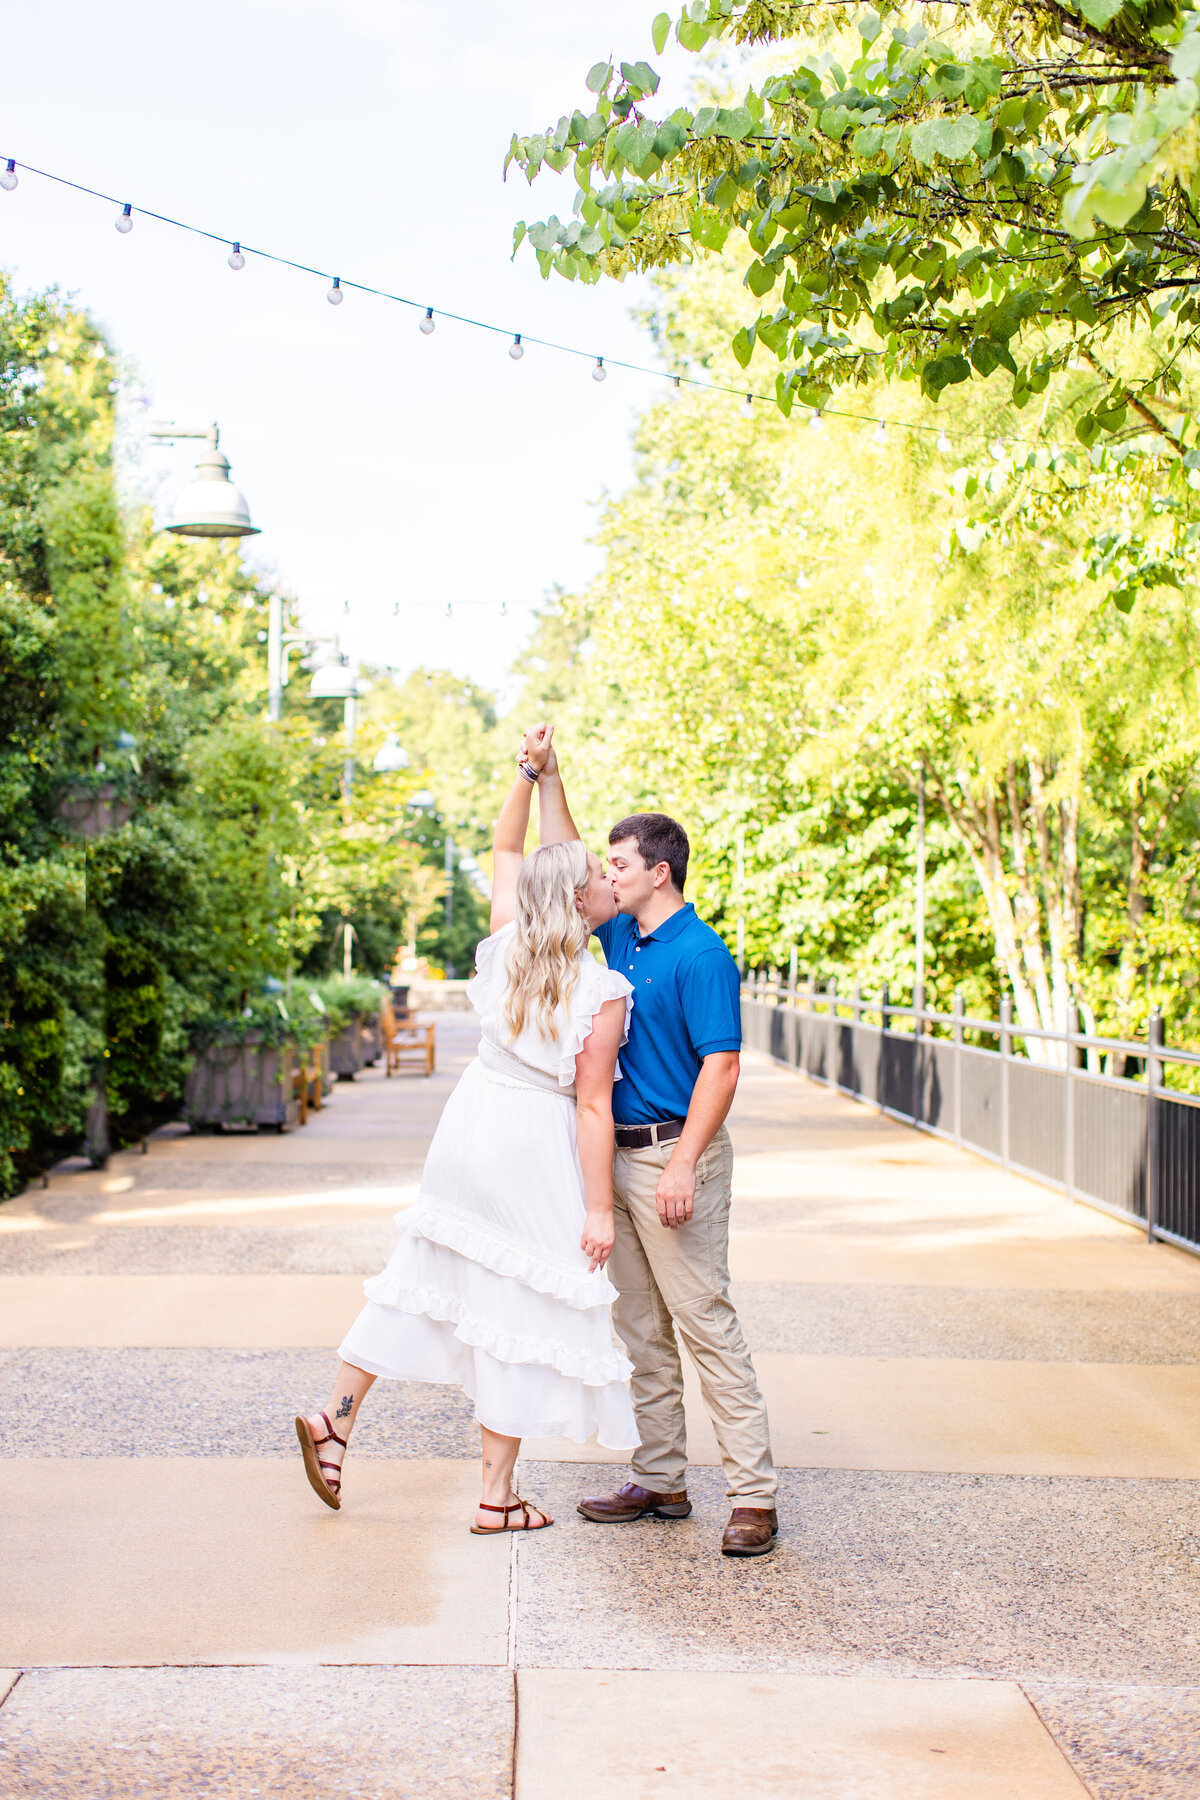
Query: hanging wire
<point x="601" y="364"/>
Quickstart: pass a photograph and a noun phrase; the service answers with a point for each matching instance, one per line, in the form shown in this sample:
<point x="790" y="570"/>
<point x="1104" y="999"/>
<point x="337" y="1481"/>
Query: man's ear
<point x="662" y="874"/>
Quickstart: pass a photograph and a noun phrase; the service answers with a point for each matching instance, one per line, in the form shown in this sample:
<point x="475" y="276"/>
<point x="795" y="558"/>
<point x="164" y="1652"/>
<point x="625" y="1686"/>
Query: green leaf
<point x="760" y="278"/>
<point x="598" y="77"/>
<point x="641" y="75"/>
<point x="743" y="345"/>
<point x="520" y="231"/>
<point x="691" y="35"/>
<point x="1100" y="12"/>
<point x="659" y="32"/>
<point x="736" y="122"/>
<point x="1087" y="429"/>
<point x="944" y="372"/>
<point x="952" y="138"/>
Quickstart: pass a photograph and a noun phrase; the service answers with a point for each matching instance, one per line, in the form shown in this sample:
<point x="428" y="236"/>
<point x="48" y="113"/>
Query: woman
<point x="498" y="1280"/>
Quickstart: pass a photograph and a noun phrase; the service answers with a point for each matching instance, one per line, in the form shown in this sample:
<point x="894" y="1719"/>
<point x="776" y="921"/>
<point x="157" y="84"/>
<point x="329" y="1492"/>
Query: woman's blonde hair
<point x="543" y="963"/>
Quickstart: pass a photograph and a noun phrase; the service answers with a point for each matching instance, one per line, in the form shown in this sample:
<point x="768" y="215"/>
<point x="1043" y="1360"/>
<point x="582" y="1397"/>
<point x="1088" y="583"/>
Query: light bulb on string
<point x="516" y="349"/>
<point x="236" y="259"/>
<point x="675" y="391"/>
<point x="817" y="421"/>
<point x="599" y="373"/>
<point x="504" y="609"/>
<point x="449" y="610"/>
<point x="335" y="295"/>
<point x="395" y="609"/>
<point x="427" y="323"/>
<point x="125" y="222"/>
<point x="747" y="407"/>
<point x="944" y="444"/>
<point x="8" y="180"/>
<point x="880" y="433"/>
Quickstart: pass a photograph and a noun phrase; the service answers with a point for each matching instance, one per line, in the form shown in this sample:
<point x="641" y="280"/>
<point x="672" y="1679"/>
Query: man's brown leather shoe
<point x="750" y="1532"/>
<point x="634" y="1502"/>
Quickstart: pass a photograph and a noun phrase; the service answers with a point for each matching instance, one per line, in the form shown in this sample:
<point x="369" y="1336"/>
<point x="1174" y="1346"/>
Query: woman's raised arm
<point x="508" y="840"/>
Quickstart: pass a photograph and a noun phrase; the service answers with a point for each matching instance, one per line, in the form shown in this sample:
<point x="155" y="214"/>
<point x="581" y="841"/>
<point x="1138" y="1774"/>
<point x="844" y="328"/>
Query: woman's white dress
<point x="488" y="1286"/>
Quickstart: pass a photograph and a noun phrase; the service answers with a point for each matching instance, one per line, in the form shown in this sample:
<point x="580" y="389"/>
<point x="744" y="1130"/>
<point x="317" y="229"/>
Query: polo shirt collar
<point x="670" y="928"/>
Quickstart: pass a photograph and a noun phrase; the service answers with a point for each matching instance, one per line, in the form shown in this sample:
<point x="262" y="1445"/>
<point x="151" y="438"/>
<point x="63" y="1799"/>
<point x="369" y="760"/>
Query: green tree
<point x="930" y="193"/>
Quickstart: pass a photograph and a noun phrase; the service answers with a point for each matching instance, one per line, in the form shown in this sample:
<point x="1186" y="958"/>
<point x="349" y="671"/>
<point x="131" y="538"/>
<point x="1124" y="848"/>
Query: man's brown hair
<point x="659" y="839"/>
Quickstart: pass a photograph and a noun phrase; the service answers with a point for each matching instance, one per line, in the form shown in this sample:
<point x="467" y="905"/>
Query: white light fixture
<point x="599" y="373"/>
<point x="210" y="507"/>
<point x="125" y="221"/>
<point x="8" y="180"/>
<point x="817" y="421"/>
<point x="335" y="295"/>
<point x="427" y="323"/>
<point x="944" y="444"/>
<point x="747" y="407"/>
<point x="336" y="681"/>
<point x="391" y="756"/>
<point x="516" y="349"/>
<point x="236" y="259"/>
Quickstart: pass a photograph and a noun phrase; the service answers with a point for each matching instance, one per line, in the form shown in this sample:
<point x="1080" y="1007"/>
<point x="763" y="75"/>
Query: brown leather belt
<point x="640" y="1137"/>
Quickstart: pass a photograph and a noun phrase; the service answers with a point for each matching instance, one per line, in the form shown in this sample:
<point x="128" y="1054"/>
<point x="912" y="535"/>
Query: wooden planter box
<point x="242" y="1082"/>
<point x="356" y="1045"/>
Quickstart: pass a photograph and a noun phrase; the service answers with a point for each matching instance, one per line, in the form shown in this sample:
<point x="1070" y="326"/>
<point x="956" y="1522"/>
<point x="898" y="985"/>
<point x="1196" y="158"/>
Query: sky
<point x="393" y="475"/>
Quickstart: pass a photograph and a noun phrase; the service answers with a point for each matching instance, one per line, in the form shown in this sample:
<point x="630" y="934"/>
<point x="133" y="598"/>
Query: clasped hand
<point x="599" y="1235"/>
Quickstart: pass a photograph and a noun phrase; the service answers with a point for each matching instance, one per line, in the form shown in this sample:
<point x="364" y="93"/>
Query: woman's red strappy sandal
<point x="327" y="1490"/>
<point x="521" y="1507"/>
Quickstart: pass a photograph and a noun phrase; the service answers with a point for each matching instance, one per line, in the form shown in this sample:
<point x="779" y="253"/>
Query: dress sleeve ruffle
<point x="489" y="962"/>
<point x="594" y="987"/>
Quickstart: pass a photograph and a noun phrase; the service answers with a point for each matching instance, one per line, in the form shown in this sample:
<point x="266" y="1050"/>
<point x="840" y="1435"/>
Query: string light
<point x="504" y="609"/>
<point x="449" y="610"/>
<point x="880" y="433"/>
<point x="747" y="407"/>
<point x="335" y="296"/>
<point x="817" y="421"/>
<point x="395" y="609"/>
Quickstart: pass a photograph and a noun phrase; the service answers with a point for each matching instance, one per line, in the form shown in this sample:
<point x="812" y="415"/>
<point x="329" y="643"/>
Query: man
<point x="672" y="1180"/>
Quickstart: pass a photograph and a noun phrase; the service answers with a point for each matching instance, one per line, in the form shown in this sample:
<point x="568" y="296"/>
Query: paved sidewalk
<point x="986" y="1403"/>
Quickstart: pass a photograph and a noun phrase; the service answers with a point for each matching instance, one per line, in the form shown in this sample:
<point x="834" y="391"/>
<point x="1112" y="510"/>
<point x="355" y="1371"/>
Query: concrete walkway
<point x="986" y="1403"/>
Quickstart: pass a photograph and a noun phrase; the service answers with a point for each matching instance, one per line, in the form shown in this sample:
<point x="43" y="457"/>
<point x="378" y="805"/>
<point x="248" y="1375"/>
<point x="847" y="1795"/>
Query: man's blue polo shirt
<point x="686" y="1005"/>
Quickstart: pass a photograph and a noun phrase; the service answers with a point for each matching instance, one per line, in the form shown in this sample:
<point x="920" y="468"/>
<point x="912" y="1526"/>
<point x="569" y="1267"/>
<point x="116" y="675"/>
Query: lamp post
<point x="212" y="507"/>
<point x="340" y="681"/>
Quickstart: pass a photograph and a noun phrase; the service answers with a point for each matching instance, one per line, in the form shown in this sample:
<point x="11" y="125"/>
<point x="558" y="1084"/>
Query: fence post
<point x="1069" y="1133"/>
<point x="792" y="975"/>
<point x="1005" y="1054"/>
<point x="831" y="1039"/>
<point x="918" y="1049"/>
<point x="959" y="1009"/>
<point x="1154" y="1071"/>
<point x="885" y="1068"/>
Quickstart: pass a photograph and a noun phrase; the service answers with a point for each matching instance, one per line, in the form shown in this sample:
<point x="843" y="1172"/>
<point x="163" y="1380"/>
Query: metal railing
<point x="1128" y="1146"/>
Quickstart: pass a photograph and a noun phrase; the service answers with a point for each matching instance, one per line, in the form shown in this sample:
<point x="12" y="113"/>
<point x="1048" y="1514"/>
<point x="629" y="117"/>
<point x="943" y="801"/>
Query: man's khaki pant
<point x="675" y="1285"/>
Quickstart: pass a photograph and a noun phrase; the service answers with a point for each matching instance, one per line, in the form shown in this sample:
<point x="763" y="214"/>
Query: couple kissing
<point x="579" y="1180"/>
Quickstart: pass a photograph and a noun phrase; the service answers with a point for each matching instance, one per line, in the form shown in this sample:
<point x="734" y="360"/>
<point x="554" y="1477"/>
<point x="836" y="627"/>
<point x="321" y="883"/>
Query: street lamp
<point x="391" y="757"/>
<point x="341" y="681"/>
<point x="210" y="506"/>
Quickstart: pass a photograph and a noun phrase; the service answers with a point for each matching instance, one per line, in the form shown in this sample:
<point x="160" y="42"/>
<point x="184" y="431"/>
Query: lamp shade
<point x="336" y="681"/>
<point x="211" y="506"/>
<point x="391" y="756"/>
